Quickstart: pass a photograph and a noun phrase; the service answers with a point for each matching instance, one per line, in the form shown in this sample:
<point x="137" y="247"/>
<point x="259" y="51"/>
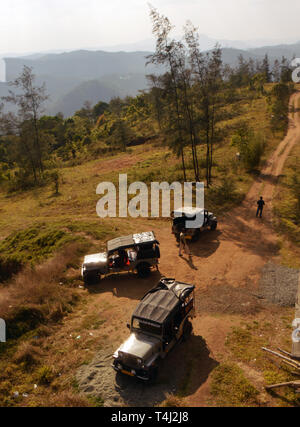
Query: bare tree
<point x="29" y="100"/>
<point x="206" y="69"/>
<point x="168" y="53"/>
<point x="156" y="97"/>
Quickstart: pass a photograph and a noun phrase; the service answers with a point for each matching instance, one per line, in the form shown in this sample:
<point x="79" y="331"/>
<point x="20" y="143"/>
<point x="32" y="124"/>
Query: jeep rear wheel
<point x="143" y="270"/>
<point x="91" y="278"/>
<point x="213" y="226"/>
<point x="196" y="235"/>
<point x="86" y="279"/>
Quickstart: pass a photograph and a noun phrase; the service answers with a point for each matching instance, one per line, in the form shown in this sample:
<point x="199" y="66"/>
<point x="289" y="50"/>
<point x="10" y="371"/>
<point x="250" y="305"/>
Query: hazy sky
<point x="40" y="25"/>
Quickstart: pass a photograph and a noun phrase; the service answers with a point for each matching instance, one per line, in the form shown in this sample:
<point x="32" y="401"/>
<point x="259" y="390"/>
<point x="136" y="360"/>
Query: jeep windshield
<point x="146" y="326"/>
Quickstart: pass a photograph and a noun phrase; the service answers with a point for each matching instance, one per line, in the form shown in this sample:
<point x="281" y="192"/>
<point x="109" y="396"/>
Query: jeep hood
<point x="140" y="345"/>
<point x="95" y="261"/>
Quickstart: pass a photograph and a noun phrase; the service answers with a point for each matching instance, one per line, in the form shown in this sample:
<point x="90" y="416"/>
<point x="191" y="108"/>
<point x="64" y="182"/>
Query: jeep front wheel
<point x="153" y="372"/>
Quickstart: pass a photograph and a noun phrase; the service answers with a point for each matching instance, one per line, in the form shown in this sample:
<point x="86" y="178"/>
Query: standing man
<point x="183" y="245"/>
<point x="260" y="207"/>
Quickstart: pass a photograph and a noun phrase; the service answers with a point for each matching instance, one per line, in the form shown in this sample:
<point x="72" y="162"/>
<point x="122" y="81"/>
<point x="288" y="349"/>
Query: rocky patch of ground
<point x="279" y="284"/>
<point x="226" y="299"/>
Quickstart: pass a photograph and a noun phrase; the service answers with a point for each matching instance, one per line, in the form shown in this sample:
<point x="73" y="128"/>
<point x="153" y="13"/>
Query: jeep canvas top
<point x="159" y="322"/>
<point x="158" y="303"/>
<point x="126" y="242"/>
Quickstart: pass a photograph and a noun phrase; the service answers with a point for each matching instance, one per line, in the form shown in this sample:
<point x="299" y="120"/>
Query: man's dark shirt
<point x="260" y="204"/>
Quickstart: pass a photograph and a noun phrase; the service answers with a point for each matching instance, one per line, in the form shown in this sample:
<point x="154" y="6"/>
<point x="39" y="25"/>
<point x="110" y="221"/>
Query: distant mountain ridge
<point x="278" y="51"/>
<point x="205" y="42"/>
<point x="78" y="76"/>
<point x="81" y="64"/>
<point x="75" y="77"/>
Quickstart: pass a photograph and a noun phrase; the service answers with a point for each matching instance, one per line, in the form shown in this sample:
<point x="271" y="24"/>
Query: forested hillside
<point x="198" y="106"/>
<point x="69" y="76"/>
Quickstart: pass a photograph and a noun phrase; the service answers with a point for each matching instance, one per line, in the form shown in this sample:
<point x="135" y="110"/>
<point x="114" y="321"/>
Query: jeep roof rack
<point x="159" y="302"/>
<point x="131" y="240"/>
<point x="188" y="211"/>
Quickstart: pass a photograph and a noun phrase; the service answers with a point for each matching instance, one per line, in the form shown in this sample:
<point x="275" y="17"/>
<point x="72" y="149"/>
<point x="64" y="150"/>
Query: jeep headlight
<point x="140" y="363"/>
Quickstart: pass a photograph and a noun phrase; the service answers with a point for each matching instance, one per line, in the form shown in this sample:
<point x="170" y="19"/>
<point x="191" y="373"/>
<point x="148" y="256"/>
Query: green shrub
<point x="291" y="229"/>
<point x="31" y="245"/>
<point x="27" y="355"/>
<point x="251" y="146"/>
<point x="22" y="320"/>
<point x="8" y="267"/>
<point x="252" y="155"/>
<point x="45" y="375"/>
<point x="231" y="388"/>
<point x="224" y="194"/>
<point x="36" y="296"/>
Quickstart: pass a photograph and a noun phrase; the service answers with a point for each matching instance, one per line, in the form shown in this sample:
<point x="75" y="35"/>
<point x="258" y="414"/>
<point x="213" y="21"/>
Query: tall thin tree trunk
<point x="183" y="165"/>
<point x="207" y="146"/>
<point x="212" y="142"/>
<point x="38" y="147"/>
<point x="188" y="110"/>
<point x="31" y="159"/>
<point x="197" y="162"/>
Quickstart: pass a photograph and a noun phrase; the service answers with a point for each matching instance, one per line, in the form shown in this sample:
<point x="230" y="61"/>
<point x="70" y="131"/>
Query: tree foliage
<point x="29" y="143"/>
<point x="185" y="97"/>
<point x="183" y="107"/>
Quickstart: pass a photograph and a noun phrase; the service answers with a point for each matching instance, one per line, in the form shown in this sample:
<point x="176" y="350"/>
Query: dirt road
<point x="243" y="243"/>
<point x="227" y="263"/>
